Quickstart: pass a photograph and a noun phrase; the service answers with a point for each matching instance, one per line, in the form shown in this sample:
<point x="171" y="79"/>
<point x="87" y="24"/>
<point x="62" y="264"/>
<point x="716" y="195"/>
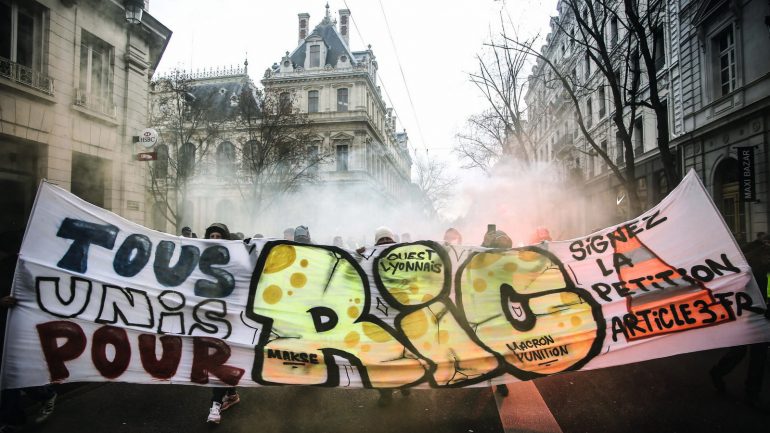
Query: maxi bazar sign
<point x="101" y="298"/>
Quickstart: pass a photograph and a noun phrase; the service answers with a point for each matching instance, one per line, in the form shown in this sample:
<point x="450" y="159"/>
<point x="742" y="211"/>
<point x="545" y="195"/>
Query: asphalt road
<point x="666" y="395"/>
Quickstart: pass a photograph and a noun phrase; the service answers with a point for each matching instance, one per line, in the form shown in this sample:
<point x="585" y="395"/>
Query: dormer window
<point x="342" y="99"/>
<point x="315" y="56"/>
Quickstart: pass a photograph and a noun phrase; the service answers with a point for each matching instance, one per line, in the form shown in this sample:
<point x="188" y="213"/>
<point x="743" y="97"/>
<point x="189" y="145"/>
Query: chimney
<point x="304" y="24"/>
<point x="345" y="26"/>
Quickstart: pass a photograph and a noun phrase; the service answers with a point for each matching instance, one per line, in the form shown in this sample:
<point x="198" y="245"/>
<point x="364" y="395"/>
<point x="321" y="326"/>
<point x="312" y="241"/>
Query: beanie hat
<point x="381" y="233"/>
<point x="218" y="227"/>
<point x="301" y="234"/>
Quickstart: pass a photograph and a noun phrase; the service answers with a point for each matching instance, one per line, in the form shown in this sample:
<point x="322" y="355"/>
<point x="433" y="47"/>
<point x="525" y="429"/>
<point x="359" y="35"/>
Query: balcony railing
<point x="26" y="76"/>
<point x="563" y="144"/>
<point x="95" y="103"/>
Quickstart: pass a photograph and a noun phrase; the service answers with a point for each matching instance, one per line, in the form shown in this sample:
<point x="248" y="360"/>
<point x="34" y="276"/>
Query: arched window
<point x="284" y="103"/>
<point x="225" y="159"/>
<point x="186" y="214"/>
<point x="312" y="101"/>
<point x="251" y="156"/>
<point x="225" y="211"/>
<point x="159" y="216"/>
<point x="342" y="99"/>
<point x="186" y="163"/>
<point x="160" y="166"/>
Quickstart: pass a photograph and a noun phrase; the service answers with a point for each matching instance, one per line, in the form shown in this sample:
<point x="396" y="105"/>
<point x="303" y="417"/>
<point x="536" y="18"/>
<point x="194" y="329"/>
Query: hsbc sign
<point x="148" y="137"/>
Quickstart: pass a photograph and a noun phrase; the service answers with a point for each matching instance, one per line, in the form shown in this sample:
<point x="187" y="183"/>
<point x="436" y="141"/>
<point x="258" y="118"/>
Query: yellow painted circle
<point x="569" y="298"/>
<point x="298" y="280"/>
<point x="510" y="267"/>
<point x="353" y="312"/>
<point x="351" y="339"/>
<point x="303" y="263"/>
<point x="479" y="285"/>
<point x="483" y="260"/>
<point x="375" y="333"/>
<point x="443" y="336"/>
<point x="426" y="345"/>
<point x="575" y="320"/>
<point x="414" y="288"/>
<point x="289" y="293"/>
<point x="427" y="297"/>
<point x="415" y="325"/>
<point x="528" y="256"/>
<point x="280" y="258"/>
<point x="365" y="347"/>
<point x="358" y="300"/>
<point x="401" y="297"/>
<point x="272" y="294"/>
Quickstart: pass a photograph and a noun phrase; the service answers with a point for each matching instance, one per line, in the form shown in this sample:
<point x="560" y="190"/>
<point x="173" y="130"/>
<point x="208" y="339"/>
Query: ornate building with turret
<point x="361" y="156"/>
<point x="338" y="89"/>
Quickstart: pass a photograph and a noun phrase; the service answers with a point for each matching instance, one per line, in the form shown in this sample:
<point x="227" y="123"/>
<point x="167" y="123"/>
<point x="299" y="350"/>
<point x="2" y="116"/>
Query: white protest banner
<point x="102" y="299"/>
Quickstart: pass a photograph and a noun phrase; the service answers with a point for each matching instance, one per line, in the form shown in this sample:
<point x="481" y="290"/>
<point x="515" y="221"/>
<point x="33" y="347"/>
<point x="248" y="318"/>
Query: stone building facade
<point x="74" y="79"/>
<point x="337" y="90"/>
<point x="712" y="110"/>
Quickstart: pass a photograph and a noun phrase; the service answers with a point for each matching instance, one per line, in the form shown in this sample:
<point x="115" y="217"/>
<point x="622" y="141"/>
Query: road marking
<point x="524" y="410"/>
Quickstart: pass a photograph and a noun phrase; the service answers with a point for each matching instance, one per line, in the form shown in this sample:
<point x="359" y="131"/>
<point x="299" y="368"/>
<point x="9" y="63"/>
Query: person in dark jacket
<point x="222" y="398"/>
<point x="385" y="236"/>
<point x="302" y="235"/>
<point x="757" y="254"/>
<point x="497" y="239"/>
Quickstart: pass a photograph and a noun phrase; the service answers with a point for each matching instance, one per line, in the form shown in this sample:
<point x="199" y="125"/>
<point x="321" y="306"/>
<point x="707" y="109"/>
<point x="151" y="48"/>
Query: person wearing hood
<point x="217" y="231"/>
<point x="302" y="235"/>
<point x="453" y="237"/>
<point x="385" y="236"/>
<point x="222" y="398"/>
<point x="497" y="239"/>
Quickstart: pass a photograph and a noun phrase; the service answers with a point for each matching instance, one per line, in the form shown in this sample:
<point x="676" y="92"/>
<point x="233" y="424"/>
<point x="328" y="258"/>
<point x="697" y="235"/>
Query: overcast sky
<point x="435" y="41"/>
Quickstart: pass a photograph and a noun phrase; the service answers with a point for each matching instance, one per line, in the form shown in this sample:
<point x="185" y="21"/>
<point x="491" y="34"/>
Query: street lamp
<point x="134" y="9"/>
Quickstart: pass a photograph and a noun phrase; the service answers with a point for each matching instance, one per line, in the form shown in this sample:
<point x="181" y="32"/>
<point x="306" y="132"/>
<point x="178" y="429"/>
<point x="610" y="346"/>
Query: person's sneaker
<point x="502" y="390"/>
<point x="46" y="410"/>
<point x="215" y="414"/>
<point x="230" y="400"/>
<point x="386" y="397"/>
<point x="718" y="382"/>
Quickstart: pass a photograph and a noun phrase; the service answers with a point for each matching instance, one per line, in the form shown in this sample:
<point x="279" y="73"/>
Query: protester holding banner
<point x="452" y="237"/>
<point x="222" y="398"/>
<point x="100" y="299"/>
<point x="497" y="239"/>
<point x="384" y="236"/>
<point x="757" y="254"/>
<point x="12" y="417"/>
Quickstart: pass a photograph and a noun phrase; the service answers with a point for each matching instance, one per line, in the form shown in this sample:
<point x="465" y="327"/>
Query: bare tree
<point x="434" y="182"/>
<point x="646" y="26"/>
<point x="501" y="130"/>
<point x="187" y="126"/>
<point x="280" y="150"/>
<point x="480" y="144"/>
<point x="619" y="71"/>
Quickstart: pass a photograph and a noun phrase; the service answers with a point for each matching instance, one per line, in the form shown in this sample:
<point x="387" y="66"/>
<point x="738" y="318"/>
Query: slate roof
<point x="216" y="96"/>
<point x="335" y="47"/>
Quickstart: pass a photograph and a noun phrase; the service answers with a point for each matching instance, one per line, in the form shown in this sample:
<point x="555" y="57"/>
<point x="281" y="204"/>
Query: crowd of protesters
<point x="222" y="398"/>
